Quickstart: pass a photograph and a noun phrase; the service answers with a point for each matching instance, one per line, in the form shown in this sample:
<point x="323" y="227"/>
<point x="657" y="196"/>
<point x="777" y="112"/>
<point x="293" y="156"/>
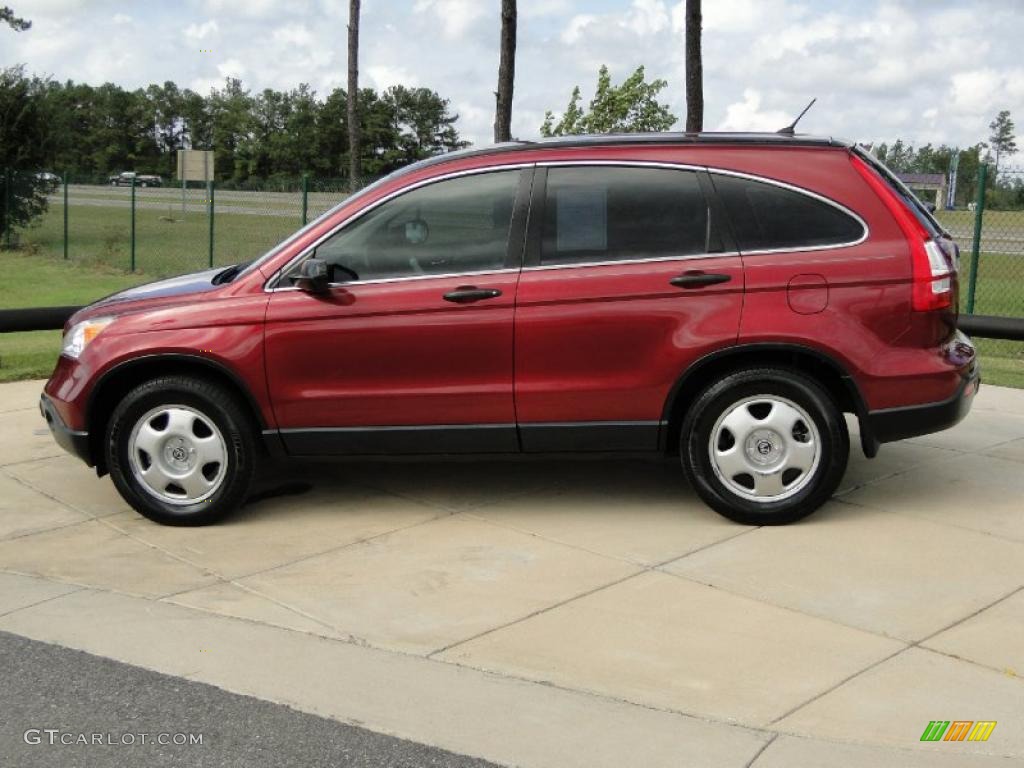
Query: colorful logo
<point x="958" y="730"/>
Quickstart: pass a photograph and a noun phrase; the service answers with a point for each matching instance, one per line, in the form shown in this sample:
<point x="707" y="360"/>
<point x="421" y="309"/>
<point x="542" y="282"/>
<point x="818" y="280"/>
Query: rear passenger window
<point x="766" y="216"/>
<point x="605" y="213"/>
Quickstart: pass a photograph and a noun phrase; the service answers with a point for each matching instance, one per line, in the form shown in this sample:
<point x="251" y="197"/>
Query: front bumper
<point x="71" y="440"/>
<point x="915" y="420"/>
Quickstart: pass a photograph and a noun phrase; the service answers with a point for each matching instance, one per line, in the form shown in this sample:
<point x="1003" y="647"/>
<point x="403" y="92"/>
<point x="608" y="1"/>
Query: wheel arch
<point x="819" y="365"/>
<point x="116" y="382"/>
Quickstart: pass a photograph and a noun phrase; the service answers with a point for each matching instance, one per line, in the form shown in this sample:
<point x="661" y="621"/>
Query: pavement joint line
<point x="442" y="516"/>
<point x="761" y="751"/>
<point x="537" y="612"/>
<point x="802" y="736"/>
<point x="838" y="685"/>
<point x="550" y="540"/>
<point x="913" y="467"/>
<point x="747" y="530"/>
<point x="918" y="516"/>
<point x="336" y="635"/>
<point x="907" y="647"/>
<point x="459" y="510"/>
<point x="643" y="568"/>
<point x="30" y="461"/>
<point x="298" y="611"/>
<point x="47" y="494"/>
<point x="37" y="531"/>
<point x="184" y="561"/>
<point x="970" y="616"/>
<point x="406" y="497"/>
<point x="50" y="599"/>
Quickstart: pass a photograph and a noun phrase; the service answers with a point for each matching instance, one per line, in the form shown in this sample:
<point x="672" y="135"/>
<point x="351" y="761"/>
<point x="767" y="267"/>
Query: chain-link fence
<point x="142" y="226"/>
<point x="990" y="233"/>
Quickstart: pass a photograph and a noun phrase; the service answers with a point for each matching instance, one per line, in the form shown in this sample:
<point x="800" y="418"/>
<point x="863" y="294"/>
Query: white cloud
<point x="456" y="17"/>
<point x="974" y="91"/>
<point x="122" y="18"/>
<point x="647" y="17"/>
<point x="576" y="27"/>
<point x="197" y="32"/>
<point x="747" y="115"/>
<point x="294" y="34"/>
<point x="383" y="76"/>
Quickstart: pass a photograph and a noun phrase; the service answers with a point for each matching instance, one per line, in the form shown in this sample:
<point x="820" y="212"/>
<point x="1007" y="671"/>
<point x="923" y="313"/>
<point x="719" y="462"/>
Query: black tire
<point x="720" y="399"/>
<point x="214" y="403"/>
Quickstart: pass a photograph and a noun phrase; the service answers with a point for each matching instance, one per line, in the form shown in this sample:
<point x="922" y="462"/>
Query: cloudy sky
<point x="924" y="70"/>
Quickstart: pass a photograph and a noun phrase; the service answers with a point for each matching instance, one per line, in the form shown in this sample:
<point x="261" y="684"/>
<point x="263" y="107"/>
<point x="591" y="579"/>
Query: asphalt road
<point x="47" y="687"/>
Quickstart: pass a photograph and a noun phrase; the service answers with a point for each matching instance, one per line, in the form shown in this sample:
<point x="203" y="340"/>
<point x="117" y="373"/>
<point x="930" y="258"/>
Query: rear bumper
<point x="71" y="440"/>
<point x="911" y="421"/>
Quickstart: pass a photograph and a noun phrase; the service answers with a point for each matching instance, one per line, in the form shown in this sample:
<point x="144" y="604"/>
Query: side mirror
<point x="312" y="276"/>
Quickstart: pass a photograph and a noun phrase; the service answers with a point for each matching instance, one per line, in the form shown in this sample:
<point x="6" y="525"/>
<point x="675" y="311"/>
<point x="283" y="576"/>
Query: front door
<point x="411" y="349"/>
<point x="628" y="280"/>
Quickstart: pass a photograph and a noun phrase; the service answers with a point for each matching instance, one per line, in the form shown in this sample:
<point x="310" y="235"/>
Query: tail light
<point x="933" y="268"/>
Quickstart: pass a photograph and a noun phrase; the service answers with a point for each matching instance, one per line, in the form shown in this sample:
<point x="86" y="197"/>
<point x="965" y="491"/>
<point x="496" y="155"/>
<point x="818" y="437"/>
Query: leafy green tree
<point x="231" y="111"/>
<point x="7" y="17"/>
<point x="1002" y="141"/>
<point x="628" y="108"/>
<point x="25" y="136"/>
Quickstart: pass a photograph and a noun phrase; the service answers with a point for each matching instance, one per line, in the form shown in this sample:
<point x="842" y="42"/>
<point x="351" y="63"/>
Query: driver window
<point x="453" y="226"/>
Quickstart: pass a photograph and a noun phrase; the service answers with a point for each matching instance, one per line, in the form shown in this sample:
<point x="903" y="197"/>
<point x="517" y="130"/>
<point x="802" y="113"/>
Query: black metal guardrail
<point x="35" y="318"/>
<point x="53" y="319"/>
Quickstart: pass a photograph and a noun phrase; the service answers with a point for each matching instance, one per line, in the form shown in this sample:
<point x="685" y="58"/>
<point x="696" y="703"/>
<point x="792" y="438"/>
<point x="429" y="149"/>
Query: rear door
<point x="628" y="281"/>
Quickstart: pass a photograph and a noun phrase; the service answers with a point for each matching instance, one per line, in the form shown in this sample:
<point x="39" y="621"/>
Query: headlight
<point x="80" y="334"/>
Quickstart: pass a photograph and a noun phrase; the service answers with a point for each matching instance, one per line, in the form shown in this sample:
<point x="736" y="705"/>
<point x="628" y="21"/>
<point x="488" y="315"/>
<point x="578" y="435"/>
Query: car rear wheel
<point x="181" y="450"/>
<point x="764" y="446"/>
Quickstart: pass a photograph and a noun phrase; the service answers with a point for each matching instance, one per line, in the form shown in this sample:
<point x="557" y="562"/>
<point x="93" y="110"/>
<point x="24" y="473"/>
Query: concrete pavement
<point x="561" y="613"/>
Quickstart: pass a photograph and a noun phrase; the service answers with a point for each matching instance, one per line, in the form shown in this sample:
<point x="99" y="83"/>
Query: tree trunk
<point x="506" y="73"/>
<point x="353" y="93"/>
<point x="694" y="69"/>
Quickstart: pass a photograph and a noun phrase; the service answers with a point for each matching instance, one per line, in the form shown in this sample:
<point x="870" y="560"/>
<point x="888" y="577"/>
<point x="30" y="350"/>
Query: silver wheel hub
<point x="177" y="454"/>
<point x="765" y="448"/>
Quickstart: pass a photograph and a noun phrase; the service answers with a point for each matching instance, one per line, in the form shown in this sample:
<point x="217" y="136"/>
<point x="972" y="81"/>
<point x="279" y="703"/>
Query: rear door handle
<point x="698" y="279"/>
<point x="466" y="294"/>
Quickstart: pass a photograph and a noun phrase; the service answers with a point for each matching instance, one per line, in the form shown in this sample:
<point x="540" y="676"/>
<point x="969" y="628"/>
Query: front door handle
<point x="697" y="279"/>
<point x="466" y="294"/>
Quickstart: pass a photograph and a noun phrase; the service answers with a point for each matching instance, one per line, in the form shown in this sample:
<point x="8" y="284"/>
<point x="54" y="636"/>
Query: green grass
<point x="167" y="242"/>
<point x="37" y="281"/>
<point x="37" y="275"/>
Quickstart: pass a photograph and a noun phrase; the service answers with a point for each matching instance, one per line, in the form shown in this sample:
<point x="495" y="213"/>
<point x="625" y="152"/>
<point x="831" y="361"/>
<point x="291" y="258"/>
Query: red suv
<point x="725" y="296"/>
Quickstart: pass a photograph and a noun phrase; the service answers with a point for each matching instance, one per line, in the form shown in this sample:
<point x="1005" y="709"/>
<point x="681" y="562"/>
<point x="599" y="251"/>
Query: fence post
<point x="305" y="197"/>
<point x="65" y="181"/>
<point x="133" y="225"/>
<point x="979" y="213"/>
<point x="210" y="202"/>
<point x="7" y="208"/>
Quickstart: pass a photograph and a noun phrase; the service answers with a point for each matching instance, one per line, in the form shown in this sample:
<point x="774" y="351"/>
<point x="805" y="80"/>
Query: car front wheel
<point x="181" y="450"/>
<point x="764" y="446"/>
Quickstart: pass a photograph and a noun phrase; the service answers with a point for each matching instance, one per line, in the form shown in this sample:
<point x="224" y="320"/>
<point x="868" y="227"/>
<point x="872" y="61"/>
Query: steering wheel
<point x="336" y="268"/>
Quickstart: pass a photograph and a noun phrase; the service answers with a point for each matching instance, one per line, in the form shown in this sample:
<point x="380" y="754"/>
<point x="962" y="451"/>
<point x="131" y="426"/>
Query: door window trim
<point x="865" y="230"/>
<point x="532" y="260"/>
<point x="517" y="226"/>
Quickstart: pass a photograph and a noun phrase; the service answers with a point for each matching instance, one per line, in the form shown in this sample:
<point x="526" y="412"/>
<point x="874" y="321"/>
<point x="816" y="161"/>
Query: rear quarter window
<point x="766" y="216"/>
